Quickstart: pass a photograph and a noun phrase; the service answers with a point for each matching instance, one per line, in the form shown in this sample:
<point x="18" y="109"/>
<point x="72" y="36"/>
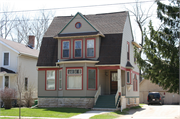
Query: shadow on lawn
<point x="64" y="109"/>
<point x="130" y="111"/>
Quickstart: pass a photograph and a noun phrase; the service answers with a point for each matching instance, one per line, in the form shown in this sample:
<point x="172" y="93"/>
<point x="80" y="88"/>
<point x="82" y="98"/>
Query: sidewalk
<point x="85" y="115"/>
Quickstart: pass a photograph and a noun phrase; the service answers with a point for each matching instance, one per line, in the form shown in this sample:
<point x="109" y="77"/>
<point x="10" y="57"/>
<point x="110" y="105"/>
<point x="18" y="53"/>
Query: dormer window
<point x="65" y="49"/>
<point x="90" y="48"/>
<point x="78" y="48"/>
<point x="6" y="59"/>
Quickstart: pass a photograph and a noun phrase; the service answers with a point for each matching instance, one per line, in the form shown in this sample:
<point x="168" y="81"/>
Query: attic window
<point x="78" y="25"/>
<point x="6" y="59"/>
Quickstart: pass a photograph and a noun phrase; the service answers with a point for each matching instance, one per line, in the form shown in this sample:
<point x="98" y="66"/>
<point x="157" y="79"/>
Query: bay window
<point x="90" y="48"/>
<point x="128" y="77"/>
<point x="128" y="51"/>
<point x="50" y="79"/>
<point x="74" y="78"/>
<point x="66" y="46"/>
<point x="92" y="78"/>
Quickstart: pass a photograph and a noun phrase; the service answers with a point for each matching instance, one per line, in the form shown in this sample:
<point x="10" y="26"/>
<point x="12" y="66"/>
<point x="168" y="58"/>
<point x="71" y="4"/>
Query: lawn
<point x="43" y="112"/>
<point x="115" y="114"/>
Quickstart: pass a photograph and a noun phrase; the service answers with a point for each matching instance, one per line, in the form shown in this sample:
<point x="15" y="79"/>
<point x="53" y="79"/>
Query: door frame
<point x="111" y="80"/>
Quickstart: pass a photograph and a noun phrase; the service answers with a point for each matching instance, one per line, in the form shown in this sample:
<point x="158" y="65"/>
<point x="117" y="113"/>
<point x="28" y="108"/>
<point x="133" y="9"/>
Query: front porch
<point x="111" y="89"/>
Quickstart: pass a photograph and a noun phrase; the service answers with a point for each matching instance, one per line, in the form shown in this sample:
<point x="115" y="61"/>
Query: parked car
<point x="155" y="98"/>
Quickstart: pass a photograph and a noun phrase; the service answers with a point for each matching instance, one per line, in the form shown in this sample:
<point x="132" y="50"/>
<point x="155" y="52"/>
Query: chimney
<point x="31" y="41"/>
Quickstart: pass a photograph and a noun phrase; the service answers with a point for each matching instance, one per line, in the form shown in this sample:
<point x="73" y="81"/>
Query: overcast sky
<point x="71" y="7"/>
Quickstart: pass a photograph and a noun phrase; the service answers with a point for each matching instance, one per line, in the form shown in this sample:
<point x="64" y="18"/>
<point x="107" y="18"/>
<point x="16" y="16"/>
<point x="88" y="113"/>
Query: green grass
<point x="142" y="104"/>
<point x="115" y="114"/>
<point x="43" y="112"/>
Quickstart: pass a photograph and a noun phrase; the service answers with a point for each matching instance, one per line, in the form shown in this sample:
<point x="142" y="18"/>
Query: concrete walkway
<point x="89" y="114"/>
<point x="85" y="115"/>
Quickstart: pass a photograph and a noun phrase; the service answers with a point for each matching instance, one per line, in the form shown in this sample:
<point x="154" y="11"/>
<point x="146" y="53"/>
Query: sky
<point x="71" y="7"/>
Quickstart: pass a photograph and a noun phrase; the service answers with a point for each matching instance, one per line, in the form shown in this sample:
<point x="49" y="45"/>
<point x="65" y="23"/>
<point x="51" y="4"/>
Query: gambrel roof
<point x="111" y="25"/>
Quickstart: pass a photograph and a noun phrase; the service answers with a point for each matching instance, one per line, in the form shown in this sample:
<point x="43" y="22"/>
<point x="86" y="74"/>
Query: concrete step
<point x="105" y="109"/>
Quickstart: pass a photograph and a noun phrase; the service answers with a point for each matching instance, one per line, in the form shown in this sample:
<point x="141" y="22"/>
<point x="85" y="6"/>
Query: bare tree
<point x="20" y="87"/>
<point x="40" y="26"/>
<point x="7" y="23"/>
<point x="141" y="16"/>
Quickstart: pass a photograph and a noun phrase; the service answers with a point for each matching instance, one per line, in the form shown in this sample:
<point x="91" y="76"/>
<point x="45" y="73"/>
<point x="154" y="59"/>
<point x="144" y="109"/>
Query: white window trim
<point x="4" y="82"/>
<point x="3" y="59"/>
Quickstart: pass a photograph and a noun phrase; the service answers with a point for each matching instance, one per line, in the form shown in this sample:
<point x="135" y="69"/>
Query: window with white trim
<point x="60" y="79"/>
<point x="6" y="59"/>
<point x="92" y="78"/>
<point x="6" y="83"/>
<point x="50" y="80"/>
<point x="78" y="48"/>
<point x="128" y="77"/>
<point x="74" y="78"/>
<point x="90" y="48"/>
<point x="66" y="47"/>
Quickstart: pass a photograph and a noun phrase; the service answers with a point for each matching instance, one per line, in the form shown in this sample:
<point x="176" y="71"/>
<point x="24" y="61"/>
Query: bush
<point x="7" y="95"/>
<point x="28" y="100"/>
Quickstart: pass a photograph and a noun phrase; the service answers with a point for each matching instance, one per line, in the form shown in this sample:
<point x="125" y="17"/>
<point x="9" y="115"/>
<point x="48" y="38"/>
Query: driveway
<point x="154" y="112"/>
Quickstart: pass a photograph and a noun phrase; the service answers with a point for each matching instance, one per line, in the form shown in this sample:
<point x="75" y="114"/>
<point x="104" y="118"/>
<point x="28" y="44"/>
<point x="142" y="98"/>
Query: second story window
<point x="6" y="59"/>
<point x="90" y="48"/>
<point x="78" y="48"/>
<point x="65" y="49"/>
<point x="128" y="51"/>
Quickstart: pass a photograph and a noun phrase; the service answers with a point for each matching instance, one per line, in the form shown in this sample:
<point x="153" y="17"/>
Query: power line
<point x="79" y="6"/>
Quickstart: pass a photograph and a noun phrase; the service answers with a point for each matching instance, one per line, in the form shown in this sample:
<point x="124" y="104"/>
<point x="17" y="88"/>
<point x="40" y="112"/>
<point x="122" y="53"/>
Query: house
<point x="147" y="86"/>
<point x="18" y="60"/>
<point x="87" y="61"/>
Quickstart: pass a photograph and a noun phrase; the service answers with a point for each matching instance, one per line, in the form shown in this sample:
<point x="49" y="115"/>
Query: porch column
<point x="119" y="80"/>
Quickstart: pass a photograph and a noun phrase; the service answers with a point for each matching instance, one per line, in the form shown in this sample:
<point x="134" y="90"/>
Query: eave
<point x="81" y="61"/>
<point x="137" y="45"/>
<point x="69" y="37"/>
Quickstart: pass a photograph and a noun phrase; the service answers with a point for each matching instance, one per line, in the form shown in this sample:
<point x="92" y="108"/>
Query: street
<point x="154" y="112"/>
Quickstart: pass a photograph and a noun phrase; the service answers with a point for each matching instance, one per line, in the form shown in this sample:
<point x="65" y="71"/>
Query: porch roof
<point x="2" y="69"/>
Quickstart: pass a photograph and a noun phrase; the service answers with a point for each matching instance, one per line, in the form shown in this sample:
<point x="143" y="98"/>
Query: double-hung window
<point x="78" y="48"/>
<point x="74" y="79"/>
<point x="50" y="79"/>
<point x="90" y="48"/>
<point x="6" y="59"/>
<point x="92" y="78"/>
<point x="66" y="49"/>
<point x="6" y="83"/>
<point x="128" y="77"/>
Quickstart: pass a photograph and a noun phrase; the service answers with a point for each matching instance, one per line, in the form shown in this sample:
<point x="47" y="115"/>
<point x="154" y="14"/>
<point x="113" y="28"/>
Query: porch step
<point x="105" y="101"/>
<point x="105" y="109"/>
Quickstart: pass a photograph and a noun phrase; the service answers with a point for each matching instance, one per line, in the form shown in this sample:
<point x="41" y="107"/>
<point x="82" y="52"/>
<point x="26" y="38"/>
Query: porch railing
<point x="97" y="94"/>
<point x="117" y="96"/>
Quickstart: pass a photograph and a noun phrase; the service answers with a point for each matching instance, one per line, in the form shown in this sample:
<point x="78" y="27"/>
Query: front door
<point x="113" y="81"/>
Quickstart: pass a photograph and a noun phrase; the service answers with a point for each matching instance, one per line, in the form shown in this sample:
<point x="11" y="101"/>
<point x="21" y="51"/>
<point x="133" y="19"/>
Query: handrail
<point x="97" y="94"/>
<point x="117" y="98"/>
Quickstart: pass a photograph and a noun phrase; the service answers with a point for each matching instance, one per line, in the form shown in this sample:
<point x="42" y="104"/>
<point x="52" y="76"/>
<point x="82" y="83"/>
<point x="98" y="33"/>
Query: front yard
<point x="43" y="112"/>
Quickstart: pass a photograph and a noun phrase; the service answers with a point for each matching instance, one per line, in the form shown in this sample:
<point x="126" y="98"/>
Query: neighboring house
<point x="18" y="60"/>
<point x="84" y="57"/>
<point x="147" y="86"/>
